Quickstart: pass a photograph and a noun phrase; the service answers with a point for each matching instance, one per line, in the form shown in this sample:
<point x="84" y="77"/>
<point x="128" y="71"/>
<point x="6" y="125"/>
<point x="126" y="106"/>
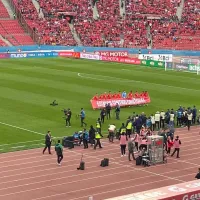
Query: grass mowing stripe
<point x="111" y="78"/>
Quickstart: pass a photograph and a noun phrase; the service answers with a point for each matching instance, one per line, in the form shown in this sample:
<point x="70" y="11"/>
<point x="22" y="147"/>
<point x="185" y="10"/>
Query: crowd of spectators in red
<point x="119" y="95"/>
<point x="114" y="28"/>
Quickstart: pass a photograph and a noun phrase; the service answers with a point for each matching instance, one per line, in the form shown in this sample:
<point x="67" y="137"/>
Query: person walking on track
<point x="123" y="141"/>
<point x="131" y="148"/>
<point x="59" y="152"/>
<point x="177" y="144"/>
<point x="47" y="142"/>
<point x="98" y="137"/>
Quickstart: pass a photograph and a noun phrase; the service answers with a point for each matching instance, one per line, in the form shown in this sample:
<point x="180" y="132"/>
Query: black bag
<point x="102" y="163"/>
<point x="106" y="161"/>
<point x="139" y="160"/>
<point x="82" y="164"/>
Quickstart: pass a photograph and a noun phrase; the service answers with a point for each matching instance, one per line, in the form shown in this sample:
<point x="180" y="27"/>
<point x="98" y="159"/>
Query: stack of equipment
<point x="104" y="162"/>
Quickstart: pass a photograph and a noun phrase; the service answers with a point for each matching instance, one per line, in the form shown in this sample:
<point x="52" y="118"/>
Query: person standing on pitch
<point x="82" y="116"/>
<point x="117" y="111"/>
<point x="131" y="147"/>
<point x="108" y="109"/>
<point x="98" y="125"/>
<point x="177" y="144"/>
<point x="59" y="152"/>
<point x="68" y="117"/>
<point x="85" y="138"/>
<point x="162" y="119"/>
<point x="47" y="142"/>
<point x="194" y="115"/>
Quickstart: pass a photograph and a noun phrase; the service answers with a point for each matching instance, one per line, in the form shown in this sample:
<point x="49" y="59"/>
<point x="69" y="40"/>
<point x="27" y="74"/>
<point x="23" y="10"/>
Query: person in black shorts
<point x="47" y="142"/>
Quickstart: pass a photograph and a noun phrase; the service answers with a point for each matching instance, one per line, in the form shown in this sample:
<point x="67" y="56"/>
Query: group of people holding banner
<point x="119" y="95"/>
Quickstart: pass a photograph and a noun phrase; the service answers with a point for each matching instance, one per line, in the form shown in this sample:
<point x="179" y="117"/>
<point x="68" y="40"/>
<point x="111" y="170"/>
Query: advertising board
<point x="156" y="57"/>
<point x="123" y="54"/>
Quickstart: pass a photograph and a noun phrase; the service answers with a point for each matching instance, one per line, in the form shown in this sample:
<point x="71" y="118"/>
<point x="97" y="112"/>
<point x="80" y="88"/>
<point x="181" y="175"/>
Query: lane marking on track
<point x="115" y="79"/>
<point x="24" y="129"/>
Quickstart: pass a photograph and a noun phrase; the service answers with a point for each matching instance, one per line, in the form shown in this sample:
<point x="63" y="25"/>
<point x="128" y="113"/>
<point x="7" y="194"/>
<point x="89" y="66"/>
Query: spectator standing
<point x="47" y="142"/>
<point x="123" y="141"/>
<point x="169" y="145"/>
<point x="131" y="147"/>
<point x="189" y="120"/>
<point x="194" y="115"/>
<point x="176" y="145"/>
<point x="152" y="122"/>
<point x="171" y="119"/>
<point x="162" y="119"/>
<point x="92" y="135"/>
<point x="157" y="119"/>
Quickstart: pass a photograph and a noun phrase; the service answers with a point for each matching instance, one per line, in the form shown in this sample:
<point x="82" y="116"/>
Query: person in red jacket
<point x="101" y="97"/>
<point x="114" y="96"/>
<point x="119" y="95"/>
<point x="136" y="95"/>
<point x="130" y="95"/>
<point x="169" y="144"/>
<point x="109" y="95"/>
<point x="176" y="145"/>
<point x="95" y="97"/>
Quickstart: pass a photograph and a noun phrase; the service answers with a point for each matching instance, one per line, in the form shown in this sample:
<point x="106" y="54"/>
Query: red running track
<point x="30" y="175"/>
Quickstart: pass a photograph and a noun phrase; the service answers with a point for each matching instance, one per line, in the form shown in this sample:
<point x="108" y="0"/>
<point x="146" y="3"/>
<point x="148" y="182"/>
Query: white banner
<point x="89" y="56"/>
<point x="156" y="57"/>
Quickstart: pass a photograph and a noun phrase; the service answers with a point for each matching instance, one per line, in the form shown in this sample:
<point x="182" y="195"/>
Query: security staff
<point x="122" y="129"/>
<point x="98" y="137"/>
<point x="98" y="125"/>
<point x="129" y="128"/>
<point x="47" y="142"/>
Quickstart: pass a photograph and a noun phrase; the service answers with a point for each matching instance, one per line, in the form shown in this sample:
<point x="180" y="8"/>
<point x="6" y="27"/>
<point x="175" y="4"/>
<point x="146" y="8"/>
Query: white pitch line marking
<point x="111" y="78"/>
<point x="24" y="129"/>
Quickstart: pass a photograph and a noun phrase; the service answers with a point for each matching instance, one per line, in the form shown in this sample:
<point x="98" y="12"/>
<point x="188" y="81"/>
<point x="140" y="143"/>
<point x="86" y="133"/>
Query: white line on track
<point x="24" y="129"/>
<point x="111" y="79"/>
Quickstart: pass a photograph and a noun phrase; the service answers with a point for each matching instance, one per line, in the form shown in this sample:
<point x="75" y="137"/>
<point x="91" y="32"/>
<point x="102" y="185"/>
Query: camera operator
<point x="68" y="117"/>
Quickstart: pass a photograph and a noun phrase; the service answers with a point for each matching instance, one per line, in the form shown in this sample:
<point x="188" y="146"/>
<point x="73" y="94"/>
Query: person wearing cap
<point x="131" y="147"/>
<point x="176" y="145"/>
<point x="198" y="175"/>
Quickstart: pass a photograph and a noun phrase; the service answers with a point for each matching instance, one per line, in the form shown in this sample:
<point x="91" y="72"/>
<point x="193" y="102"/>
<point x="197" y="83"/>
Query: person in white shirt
<point x="171" y="118"/>
<point x="111" y="132"/>
<point x="157" y="119"/>
<point x="189" y="116"/>
<point x="152" y="122"/>
<point x="162" y="119"/>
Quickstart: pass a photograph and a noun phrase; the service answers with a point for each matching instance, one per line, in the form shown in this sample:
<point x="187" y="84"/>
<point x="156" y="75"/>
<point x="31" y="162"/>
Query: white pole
<point x="165" y="65"/>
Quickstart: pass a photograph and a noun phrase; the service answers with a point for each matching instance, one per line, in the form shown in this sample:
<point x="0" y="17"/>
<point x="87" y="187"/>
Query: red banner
<point x="134" y="61"/>
<point x="183" y="191"/>
<point x="69" y="54"/>
<point x="123" y="54"/>
<point x="96" y="104"/>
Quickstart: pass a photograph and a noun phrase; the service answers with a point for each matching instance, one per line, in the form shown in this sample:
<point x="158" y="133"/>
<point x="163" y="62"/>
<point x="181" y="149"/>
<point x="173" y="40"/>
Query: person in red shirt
<point x="114" y="96"/>
<point x="130" y="95"/>
<point x="142" y="94"/>
<point x="101" y="97"/>
<point x="136" y="95"/>
<point x="95" y="97"/>
<point x="119" y="95"/>
<point x="146" y="94"/>
<point x="104" y="95"/>
<point x="109" y="95"/>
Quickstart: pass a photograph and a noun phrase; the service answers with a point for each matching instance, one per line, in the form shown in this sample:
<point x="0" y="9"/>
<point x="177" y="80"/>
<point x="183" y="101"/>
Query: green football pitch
<point x="28" y="86"/>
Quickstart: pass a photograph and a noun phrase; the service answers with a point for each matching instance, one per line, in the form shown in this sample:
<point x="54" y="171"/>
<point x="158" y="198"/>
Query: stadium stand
<point x="3" y="11"/>
<point x="145" y="23"/>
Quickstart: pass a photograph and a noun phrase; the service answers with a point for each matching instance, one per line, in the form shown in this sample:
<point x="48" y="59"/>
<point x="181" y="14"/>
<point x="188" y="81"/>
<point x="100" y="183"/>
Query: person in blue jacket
<point x="85" y="138"/>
